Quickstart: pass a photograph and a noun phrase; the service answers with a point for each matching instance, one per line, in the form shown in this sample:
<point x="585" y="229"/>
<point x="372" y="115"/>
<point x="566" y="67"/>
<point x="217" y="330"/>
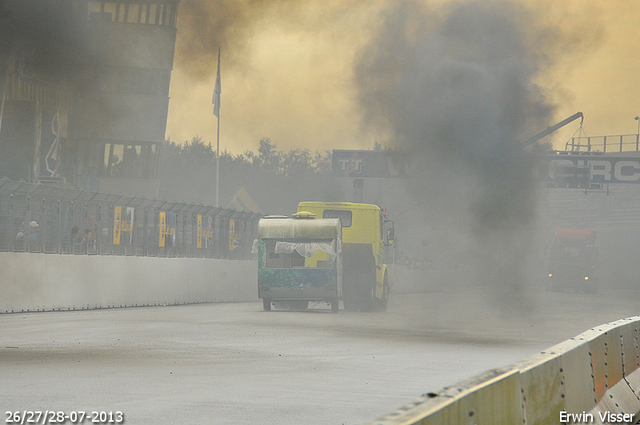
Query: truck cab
<point x="571" y="263"/>
<point x="366" y="276"/>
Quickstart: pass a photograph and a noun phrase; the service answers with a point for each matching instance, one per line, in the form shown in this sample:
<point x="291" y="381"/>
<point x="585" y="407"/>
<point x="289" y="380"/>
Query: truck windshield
<point x="572" y="251"/>
<point x="343" y="215"/>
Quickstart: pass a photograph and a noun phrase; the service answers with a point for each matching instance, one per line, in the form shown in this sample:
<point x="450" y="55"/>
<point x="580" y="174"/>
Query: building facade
<point x="85" y="91"/>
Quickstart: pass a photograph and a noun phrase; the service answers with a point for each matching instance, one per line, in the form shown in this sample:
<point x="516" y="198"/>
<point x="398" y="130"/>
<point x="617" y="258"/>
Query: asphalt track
<point x="235" y="364"/>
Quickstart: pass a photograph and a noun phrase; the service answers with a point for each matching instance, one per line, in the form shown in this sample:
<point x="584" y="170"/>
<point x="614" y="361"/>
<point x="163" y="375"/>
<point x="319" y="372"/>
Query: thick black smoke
<point x="46" y="38"/>
<point x="205" y="25"/>
<point x="456" y="87"/>
<point x="53" y="42"/>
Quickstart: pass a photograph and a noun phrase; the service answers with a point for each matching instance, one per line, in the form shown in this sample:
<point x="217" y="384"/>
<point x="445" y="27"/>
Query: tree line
<point x="276" y="180"/>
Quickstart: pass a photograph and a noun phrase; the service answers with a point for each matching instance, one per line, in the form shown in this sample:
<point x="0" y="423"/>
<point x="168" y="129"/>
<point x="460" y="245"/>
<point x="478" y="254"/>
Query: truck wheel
<point x="369" y="300"/>
<point x="359" y="288"/>
<point x="335" y="305"/>
<point x="381" y="305"/>
<point x="266" y="304"/>
<point x="356" y="292"/>
<point x="349" y="294"/>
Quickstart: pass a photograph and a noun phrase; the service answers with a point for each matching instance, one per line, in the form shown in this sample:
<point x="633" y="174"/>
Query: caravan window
<point x="294" y="253"/>
<point x="281" y="260"/>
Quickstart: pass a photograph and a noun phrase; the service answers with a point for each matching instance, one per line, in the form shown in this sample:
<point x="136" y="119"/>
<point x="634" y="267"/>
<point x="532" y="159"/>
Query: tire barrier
<point x="43" y="282"/>
<point x="592" y="378"/>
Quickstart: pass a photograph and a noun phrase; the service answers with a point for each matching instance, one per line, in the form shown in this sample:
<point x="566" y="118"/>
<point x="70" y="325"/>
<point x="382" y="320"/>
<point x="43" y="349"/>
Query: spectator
<point x="87" y="240"/>
<point x="19" y="243"/>
<point x="91" y="236"/>
<point x="75" y="238"/>
<point x="33" y="237"/>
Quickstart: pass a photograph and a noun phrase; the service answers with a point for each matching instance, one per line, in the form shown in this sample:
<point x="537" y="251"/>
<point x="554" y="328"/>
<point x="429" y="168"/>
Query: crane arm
<point x="553" y="128"/>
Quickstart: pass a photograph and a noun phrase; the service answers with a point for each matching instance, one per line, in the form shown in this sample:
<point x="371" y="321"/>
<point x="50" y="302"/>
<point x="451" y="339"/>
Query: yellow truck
<point x="366" y="276"/>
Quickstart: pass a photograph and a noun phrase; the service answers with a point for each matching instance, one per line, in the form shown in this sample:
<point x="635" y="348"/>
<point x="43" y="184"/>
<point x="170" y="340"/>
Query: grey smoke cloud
<point x="300" y="51"/>
<point x="455" y="85"/>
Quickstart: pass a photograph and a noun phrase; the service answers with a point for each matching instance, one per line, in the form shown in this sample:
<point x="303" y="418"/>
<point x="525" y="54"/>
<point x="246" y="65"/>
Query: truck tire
<point x="335" y="305"/>
<point x="366" y="288"/>
<point x="357" y="289"/>
<point x="381" y="304"/>
<point x="368" y="300"/>
<point x="266" y="304"/>
<point x="352" y="291"/>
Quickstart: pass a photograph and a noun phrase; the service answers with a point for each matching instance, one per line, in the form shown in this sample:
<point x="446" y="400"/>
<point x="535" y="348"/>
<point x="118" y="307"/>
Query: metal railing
<point x="55" y="220"/>
<point x="615" y="143"/>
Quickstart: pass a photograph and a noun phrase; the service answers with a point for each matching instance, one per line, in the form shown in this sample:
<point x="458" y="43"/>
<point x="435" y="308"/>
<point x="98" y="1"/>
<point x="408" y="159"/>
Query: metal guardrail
<point x="55" y="220"/>
<point x="612" y="144"/>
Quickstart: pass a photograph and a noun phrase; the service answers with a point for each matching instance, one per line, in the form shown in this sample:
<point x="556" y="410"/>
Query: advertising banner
<point x="127" y="225"/>
<point x="167" y="229"/>
<point x="596" y="168"/>
<point x="199" y="232"/>
<point x="233" y="236"/>
<point x="204" y="235"/>
<point x="117" y="225"/>
<point x="362" y="164"/>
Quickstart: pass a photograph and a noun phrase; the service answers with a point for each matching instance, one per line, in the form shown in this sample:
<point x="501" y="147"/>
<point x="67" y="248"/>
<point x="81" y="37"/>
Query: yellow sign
<point x="117" y="223"/>
<point x="243" y="202"/>
<point x="127" y="225"/>
<point x="199" y="240"/>
<point x="202" y="234"/>
<point x="165" y="230"/>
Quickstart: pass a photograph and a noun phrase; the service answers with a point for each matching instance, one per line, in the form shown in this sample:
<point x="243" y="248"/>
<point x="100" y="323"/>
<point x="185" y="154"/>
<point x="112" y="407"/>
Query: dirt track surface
<point x="235" y="364"/>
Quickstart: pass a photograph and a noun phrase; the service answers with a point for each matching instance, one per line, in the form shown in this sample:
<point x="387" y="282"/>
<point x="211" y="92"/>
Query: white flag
<point x="216" y="91"/>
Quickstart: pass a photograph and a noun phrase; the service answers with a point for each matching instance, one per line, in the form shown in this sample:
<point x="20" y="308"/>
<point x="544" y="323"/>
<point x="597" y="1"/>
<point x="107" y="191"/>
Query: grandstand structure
<point x="84" y="92"/>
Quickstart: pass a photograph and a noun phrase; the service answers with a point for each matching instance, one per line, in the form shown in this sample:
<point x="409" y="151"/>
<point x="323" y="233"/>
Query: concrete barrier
<point x="542" y="387"/>
<point x="42" y="282"/>
<point x="592" y="378"/>
<point x="614" y="394"/>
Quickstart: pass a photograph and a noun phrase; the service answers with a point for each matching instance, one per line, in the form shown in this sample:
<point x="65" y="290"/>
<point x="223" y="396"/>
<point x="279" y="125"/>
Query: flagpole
<point x="216" y="108"/>
<point x="218" y="163"/>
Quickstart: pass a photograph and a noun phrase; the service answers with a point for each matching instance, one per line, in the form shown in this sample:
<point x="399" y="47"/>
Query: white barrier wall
<point x="592" y="378"/>
<point x="32" y="282"/>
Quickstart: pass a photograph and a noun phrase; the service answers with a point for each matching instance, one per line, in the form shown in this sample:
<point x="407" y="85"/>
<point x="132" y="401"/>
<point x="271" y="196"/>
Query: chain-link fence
<point x="55" y="220"/>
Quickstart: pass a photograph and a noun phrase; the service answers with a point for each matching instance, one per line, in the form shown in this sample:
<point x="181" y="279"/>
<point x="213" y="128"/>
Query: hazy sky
<point x="288" y="69"/>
